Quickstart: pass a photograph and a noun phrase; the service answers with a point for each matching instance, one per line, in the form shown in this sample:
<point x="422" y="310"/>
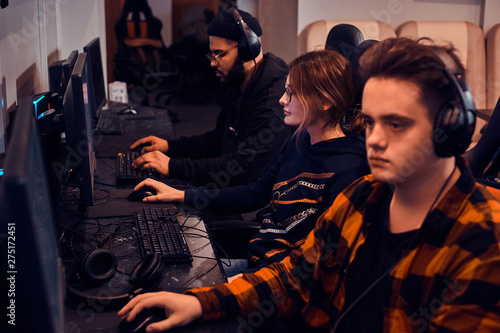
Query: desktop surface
<point x="98" y="311"/>
<point x="109" y="224"/>
<point x="134" y="128"/>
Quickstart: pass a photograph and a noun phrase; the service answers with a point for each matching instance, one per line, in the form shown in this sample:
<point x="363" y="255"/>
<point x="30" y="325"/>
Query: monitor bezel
<point x="78" y="121"/>
<point x="28" y="210"/>
<point x="96" y="70"/>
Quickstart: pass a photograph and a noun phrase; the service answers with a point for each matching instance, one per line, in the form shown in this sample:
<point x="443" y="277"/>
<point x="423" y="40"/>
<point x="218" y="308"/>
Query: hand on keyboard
<point x="155" y="160"/>
<point x="126" y="174"/>
<point x="151" y="143"/>
<point x="164" y="193"/>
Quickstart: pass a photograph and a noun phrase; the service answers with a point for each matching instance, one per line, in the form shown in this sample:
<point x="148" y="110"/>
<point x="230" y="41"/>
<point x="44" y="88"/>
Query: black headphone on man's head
<point x="94" y="268"/>
<point x="456" y="120"/>
<point x="249" y="43"/>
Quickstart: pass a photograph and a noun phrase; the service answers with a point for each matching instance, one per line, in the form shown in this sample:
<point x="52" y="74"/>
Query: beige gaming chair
<point x="313" y="36"/>
<point x="468" y="39"/>
<point x="493" y="66"/>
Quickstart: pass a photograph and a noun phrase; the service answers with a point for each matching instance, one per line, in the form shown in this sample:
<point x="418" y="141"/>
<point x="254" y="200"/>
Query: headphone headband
<point x="84" y="283"/>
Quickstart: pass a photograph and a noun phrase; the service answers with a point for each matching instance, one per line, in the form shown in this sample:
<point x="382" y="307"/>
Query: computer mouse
<point x="142" y="320"/>
<point x="139" y="195"/>
<point x="128" y="110"/>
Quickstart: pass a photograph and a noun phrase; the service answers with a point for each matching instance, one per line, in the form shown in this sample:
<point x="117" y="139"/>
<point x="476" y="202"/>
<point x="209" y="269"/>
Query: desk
<point x="134" y="129"/>
<point x="108" y="224"/>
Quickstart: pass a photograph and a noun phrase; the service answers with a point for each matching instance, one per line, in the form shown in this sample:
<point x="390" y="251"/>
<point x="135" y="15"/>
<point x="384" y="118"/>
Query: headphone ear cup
<point x="453" y="129"/>
<point x="249" y="45"/>
<point x="96" y="267"/>
<point x="148" y="272"/>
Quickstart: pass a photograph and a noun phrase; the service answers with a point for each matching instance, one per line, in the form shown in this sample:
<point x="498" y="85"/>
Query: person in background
<point x="328" y="153"/>
<point x="249" y="133"/>
<point x="412" y="247"/>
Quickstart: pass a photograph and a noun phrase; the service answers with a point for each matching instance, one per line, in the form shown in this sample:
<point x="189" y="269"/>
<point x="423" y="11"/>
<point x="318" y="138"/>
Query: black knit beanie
<point x="225" y="26"/>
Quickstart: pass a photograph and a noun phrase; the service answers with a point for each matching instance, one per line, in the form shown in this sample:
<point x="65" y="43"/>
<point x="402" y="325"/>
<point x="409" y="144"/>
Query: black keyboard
<point x="110" y="124"/>
<point x="126" y="174"/>
<point x="160" y="232"/>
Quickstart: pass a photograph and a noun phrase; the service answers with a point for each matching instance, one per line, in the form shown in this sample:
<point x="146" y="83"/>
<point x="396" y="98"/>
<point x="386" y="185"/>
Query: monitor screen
<point x="78" y="122"/>
<point x="97" y="84"/>
<point x="36" y="289"/>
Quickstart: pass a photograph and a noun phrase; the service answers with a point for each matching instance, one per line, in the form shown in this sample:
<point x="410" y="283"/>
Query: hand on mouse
<point x="153" y="160"/>
<point x="180" y="309"/>
<point x="164" y="193"/>
<point x="152" y="143"/>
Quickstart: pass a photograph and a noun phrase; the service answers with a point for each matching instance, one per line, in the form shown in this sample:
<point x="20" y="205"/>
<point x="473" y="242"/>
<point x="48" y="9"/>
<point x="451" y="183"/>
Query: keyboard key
<point x="160" y="232"/>
<point x="128" y="175"/>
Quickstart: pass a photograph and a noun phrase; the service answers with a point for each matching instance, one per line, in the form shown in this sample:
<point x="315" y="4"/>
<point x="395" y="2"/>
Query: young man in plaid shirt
<point x="413" y="247"/>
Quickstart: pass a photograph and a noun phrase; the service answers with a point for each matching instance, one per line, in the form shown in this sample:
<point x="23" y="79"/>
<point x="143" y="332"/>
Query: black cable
<point x="112" y="167"/>
<point x="108" y="196"/>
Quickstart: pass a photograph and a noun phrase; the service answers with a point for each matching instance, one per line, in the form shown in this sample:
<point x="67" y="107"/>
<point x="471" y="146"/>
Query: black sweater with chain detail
<point x="299" y="187"/>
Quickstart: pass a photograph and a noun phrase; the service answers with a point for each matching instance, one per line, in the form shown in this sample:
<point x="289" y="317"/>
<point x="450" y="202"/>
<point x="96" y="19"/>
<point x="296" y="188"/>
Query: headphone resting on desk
<point x="96" y="267"/>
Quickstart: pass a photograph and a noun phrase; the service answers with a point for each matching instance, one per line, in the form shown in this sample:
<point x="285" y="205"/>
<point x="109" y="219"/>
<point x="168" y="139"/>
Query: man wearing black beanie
<point x="250" y="132"/>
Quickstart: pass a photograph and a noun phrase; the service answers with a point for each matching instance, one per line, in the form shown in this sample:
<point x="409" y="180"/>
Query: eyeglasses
<point x="213" y="57"/>
<point x="288" y="94"/>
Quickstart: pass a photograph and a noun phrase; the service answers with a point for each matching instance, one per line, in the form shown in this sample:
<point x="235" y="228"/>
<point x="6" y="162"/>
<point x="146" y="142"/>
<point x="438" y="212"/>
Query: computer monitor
<point x="55" y="75"/>
<point x="32" y="263"/>
<point x="59" y="73"/>
<point x="2" y="131"/>
<point x="97" y="84"/>
<point x="78" y="121"/>
<point x="3" y="117"/>
<point x="67" y="69"/>
<point x="42" y="102"/>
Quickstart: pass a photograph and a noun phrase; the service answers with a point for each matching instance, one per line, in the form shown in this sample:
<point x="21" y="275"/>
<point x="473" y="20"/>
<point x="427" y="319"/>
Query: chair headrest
<point x="344" y="38"/>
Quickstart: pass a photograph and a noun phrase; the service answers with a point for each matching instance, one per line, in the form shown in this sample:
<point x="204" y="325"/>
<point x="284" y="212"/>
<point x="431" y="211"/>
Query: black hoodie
<point x="300" y="186"/>
<point x="248" y="137"/>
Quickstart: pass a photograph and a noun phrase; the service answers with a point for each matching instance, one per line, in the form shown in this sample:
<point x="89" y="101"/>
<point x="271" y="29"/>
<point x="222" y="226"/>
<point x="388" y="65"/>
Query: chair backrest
<point x="140" y="43"/>
<point x="468" y="39"/>
<point x="138" y="30"/>
<point x="493" y="66"/>
<point x="313" y="36"/>
<point x="137" y="21"/>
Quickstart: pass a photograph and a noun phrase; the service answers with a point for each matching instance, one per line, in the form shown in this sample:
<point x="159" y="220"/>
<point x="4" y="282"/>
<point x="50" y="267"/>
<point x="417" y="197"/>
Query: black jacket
<point x="248" y="136"/>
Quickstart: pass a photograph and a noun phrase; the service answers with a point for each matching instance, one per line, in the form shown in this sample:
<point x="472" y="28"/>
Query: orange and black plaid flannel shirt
<point x="448" y="281"/>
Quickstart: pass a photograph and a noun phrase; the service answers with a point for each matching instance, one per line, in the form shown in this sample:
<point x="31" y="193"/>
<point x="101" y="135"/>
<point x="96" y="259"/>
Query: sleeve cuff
<point x="210" y="304"/>
<point x="173" y="166"/>
<point x="189" y="196"/>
